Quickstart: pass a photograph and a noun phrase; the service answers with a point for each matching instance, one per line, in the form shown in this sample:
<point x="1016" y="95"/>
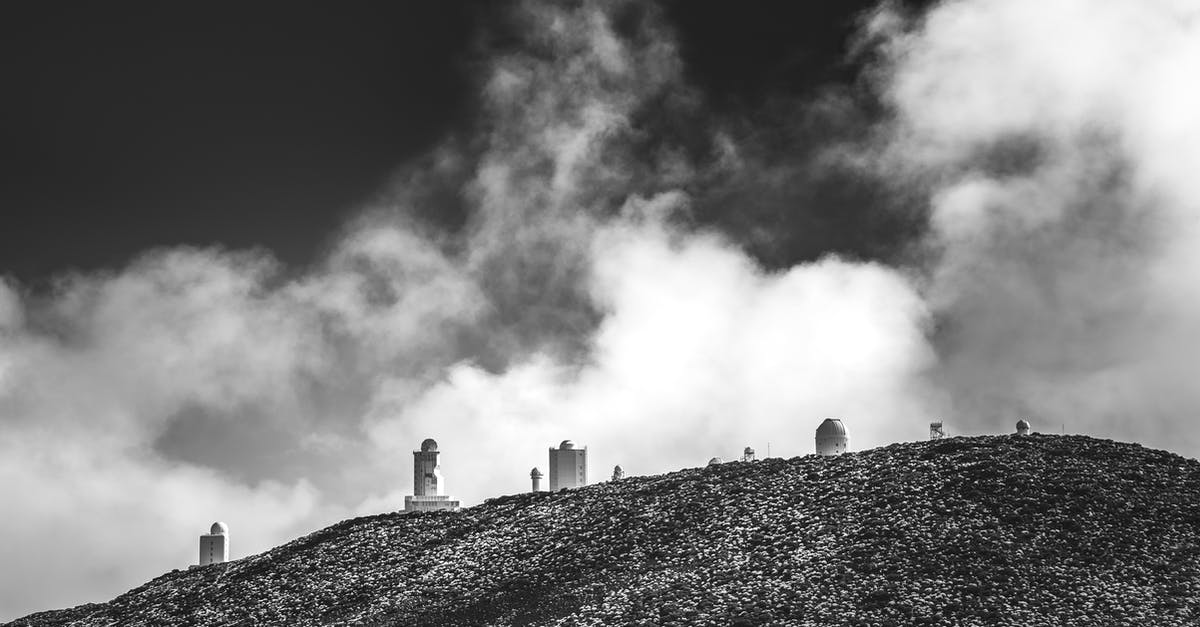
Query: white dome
<point x="219" y="528"/>
<point x="429" y="446"/>
<point x="831" y="427"/>
<point x="566" y="445"/>
<point x="535" y="472"/>
<point x="716" y="460"/>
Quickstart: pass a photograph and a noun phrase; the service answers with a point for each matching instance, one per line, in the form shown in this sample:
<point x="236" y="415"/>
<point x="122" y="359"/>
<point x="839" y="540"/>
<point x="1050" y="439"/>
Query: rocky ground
<point x="1001" y="530"/>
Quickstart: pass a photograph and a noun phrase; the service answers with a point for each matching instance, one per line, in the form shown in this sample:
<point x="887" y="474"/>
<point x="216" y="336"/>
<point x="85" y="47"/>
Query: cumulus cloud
<point x="1053" y="142"/>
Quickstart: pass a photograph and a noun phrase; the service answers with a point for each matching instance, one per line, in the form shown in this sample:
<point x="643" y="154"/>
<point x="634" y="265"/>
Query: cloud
<point x="1053" y="143"/>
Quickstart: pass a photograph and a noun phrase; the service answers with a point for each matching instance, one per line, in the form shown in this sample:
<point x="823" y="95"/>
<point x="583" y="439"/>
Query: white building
<point x="568" y="466"/>
<point x="429" y="490"/>
<point x="1022" y="427"/>
<point x="214" y="545"/>
<point x="832" y="438"/>
<point x="535" y="476"/>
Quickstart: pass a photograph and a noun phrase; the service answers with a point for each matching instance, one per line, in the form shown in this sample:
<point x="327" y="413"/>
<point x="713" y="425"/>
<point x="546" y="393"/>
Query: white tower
<point x="568" y="466"/>
<point x="214" y="545"/>
<point x="832" y="438"/>
<point x="1022" y="427"/>
<point x="535" y="476"/>
<point x="429" y="491"/>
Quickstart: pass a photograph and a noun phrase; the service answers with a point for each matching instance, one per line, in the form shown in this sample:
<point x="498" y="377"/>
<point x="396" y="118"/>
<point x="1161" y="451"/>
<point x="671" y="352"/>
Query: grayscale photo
<point x="567" y="313"/>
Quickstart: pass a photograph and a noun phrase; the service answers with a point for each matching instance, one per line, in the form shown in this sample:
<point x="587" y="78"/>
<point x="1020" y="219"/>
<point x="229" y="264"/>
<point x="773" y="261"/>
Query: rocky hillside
<point x="1006" y="530"/>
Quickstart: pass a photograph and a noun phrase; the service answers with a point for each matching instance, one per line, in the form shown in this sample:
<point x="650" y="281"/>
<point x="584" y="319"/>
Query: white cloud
<point x="1058" y="143"/>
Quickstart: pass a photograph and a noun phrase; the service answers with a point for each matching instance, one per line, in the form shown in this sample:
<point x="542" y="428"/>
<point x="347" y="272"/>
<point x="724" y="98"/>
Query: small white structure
<point x="832" y="438"/>
<point x="568" y="466"/>
<point x="429" y="490"/>
<point x="1022" y="427"/>
<point x="936" y="432"/>
<point x="716" y="460"/>
<point x="214" y="545"/>
<point x="748" y="454"/>
<point x="618" y="472"/>
<point x="535" y="476"/>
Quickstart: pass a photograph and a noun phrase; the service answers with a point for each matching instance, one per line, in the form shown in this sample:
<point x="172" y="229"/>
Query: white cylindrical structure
<point x="535" y="476"/>
<point x="832" y="438"/>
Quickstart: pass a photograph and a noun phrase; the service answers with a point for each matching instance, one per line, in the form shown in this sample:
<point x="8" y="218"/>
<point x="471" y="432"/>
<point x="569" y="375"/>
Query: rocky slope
<point x="1004" y="530"/>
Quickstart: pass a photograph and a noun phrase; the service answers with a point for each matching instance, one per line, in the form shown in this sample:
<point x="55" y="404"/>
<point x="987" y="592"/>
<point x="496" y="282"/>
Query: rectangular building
<point x="568" y="466"/>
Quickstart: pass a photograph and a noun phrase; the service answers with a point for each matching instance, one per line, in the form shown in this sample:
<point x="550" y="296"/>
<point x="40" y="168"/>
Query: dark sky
<point x="130" y="125"/>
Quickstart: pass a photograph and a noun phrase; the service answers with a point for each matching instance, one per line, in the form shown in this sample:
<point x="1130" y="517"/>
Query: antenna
<point x="768" y="448"/>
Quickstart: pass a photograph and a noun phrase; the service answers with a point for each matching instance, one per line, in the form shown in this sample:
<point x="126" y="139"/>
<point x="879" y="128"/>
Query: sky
<point x="252" y="256"/>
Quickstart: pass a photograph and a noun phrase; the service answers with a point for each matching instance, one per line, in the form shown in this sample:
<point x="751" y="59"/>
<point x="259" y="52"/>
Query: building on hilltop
<point x="748" y="454"/>
<point x="716" y="460"/>
<point x="214" y="545"/>
<point x="568" y="466"/>
<point x="618" y="472"/>
<point x="936" y="431"/>
<point x="535" y="476"/>
<point x="832" y="438"/>
<point x="429" y="490"/>
<point x="1022" y="427"/>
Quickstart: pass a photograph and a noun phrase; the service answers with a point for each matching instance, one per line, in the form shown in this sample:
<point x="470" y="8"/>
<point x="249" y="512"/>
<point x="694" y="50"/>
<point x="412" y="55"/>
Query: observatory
<point x="1022" y="427"/>
<point x="748" y="454"/>
<point x="832" y="438"/>
<point x="214" y="545"/>
<point x="429" y="490"/>
<point x="535" y="476"/>
<point x="618" y="472"/>
<point x="568" y="466"/>
<point x="716" y="460"/>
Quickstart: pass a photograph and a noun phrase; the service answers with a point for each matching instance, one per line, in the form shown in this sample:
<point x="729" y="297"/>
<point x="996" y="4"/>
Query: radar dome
<point x="429" y="446"/>
<point x="219" y="528"/>
<point x="566" y="445"/>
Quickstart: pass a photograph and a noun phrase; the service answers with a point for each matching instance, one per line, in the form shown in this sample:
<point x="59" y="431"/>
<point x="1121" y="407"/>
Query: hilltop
<point x="996" y="530"/>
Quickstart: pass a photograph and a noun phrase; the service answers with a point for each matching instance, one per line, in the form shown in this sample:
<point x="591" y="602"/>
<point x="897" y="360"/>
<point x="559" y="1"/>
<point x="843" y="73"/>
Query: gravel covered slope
<point x="1000" y="530"/>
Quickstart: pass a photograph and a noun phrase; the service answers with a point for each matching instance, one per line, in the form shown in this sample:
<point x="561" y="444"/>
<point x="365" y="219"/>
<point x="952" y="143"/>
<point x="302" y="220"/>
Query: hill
<point x="997" y="530"/>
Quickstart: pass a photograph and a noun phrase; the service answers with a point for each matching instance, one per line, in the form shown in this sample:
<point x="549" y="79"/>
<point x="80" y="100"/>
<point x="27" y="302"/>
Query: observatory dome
<point x="1022" y="427"/>
<point x="832" y="438"/>
<point x="566" y="445"/>
<point x="716" y="460"/>
<point x="535" y="472"/>
<point x="831" y="427"/>
<point x="219" y="528"/>
<point x="429" y="445"/>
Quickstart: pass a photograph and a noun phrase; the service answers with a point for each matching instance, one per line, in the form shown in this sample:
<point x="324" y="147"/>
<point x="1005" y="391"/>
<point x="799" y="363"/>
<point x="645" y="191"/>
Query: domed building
<point x="1022" y="427"/>
<point x="214" y="545"/>
<point x="535" y="476"/>
<point x="568" y="466"/>
<point x="832" y="438"/>
<point x="716" y="460"/>
<point x="429" y="489"/>
<point x="618" y="472"/>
